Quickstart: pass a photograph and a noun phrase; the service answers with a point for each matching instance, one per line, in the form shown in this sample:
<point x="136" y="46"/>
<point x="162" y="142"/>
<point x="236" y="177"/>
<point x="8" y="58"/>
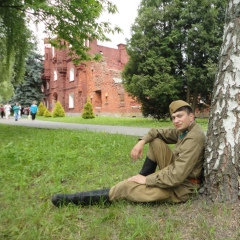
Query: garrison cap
<point x="175" y="105"/>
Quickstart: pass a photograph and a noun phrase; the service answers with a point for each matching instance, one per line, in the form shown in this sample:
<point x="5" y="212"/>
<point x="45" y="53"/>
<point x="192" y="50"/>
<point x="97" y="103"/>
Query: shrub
<point x="58" y="110"/>
<point x="47" y="113"/>
<point x="88" y="110"/>
<point x="41" y="109"/>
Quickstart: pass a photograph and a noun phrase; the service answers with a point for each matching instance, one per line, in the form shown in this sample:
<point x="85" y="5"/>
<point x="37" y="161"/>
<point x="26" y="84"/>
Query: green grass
<point x="37" y="163"/>
<point x="121" y="121"/>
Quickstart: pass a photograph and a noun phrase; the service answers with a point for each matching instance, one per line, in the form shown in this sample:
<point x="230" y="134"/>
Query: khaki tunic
<point x="172" y="182"/>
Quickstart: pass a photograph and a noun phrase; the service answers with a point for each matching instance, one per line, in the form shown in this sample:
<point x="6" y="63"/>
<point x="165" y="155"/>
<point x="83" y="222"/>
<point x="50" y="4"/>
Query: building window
<point x="55" y="75"/>
<point x="53" y="52"/>
<point x="87" y="43"/>
<point x="71" y="77"/>
<point x="71" y="100"/>
<point x="47" y="85"/>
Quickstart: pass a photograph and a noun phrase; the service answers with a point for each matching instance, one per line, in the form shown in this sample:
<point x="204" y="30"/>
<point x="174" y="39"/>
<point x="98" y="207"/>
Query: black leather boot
<point x="148" y="167"/>
<point x="82" y="198"/>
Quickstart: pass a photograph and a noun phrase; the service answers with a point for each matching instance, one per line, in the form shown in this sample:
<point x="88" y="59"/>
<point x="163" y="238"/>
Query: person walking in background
<point x="29" y="113"/>
<point x="2" y="110"/>
<point x="19" y="112"/>
<point x="33" y="109"/>
<point x="7" y="109"/>
<point x="16" y="111"/>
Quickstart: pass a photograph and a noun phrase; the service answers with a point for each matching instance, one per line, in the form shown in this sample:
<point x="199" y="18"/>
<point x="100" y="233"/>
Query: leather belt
<point x="194" y="180"/>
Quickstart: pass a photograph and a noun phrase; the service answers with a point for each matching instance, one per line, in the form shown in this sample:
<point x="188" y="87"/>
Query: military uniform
<point x="179" y="172"/>
<point x="177" y="177"/>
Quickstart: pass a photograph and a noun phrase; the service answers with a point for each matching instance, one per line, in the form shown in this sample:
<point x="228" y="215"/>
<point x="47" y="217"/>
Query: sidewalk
<point x="130" y="131"/>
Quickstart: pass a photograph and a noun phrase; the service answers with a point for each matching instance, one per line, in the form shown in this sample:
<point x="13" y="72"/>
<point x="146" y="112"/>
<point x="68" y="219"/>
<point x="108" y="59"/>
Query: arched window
<point x="53" y="52"/>
<point x="55" y="75"/>
<point x="71" y="77"/>
<point x="71" y="100"/>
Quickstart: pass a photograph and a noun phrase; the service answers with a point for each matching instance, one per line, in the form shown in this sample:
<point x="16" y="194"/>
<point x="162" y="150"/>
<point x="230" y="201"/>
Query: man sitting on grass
<point x="179" y="171"/>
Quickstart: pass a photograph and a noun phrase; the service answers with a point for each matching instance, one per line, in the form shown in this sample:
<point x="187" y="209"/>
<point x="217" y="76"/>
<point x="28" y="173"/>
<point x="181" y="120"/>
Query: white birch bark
<point x="222" y="155"/>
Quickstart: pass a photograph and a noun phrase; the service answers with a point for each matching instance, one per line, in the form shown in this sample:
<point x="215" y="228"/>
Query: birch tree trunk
<point x="222" y="154"/>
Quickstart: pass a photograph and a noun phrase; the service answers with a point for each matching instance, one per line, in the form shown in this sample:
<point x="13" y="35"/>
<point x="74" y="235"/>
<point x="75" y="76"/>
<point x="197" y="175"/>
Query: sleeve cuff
<point x="151" y="180"/>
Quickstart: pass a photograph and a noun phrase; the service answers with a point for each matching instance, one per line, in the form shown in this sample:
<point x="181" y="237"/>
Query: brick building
<point x="100" y="82"/>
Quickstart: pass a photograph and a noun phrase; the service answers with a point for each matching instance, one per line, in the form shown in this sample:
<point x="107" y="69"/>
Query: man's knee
<point x="121" y="190"/>
<point x="160" y="152"/>
<point x="157" y="143"/>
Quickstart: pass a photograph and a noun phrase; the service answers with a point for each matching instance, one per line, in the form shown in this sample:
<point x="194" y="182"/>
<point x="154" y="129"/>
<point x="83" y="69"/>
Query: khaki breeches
<point x="159" y="152"/>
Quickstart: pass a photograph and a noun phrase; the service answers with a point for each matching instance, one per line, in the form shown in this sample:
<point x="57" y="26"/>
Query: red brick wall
<point x="97" y="81"/>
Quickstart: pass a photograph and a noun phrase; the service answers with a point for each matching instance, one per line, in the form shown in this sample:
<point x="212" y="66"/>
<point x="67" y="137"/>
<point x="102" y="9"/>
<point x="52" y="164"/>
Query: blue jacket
<point x="33" y="109"/>
<point x="16" y="109"/>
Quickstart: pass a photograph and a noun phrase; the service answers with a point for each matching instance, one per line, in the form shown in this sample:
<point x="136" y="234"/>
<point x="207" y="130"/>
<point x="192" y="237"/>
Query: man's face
<point x="181" y="120"/>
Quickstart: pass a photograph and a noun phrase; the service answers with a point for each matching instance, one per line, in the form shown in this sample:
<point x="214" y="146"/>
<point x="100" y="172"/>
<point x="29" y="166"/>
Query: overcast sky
<point x="124" y="19"/>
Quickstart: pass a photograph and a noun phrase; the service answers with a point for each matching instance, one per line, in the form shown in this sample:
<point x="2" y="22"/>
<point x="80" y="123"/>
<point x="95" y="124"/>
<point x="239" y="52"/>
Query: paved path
<point x="131" y="131"/>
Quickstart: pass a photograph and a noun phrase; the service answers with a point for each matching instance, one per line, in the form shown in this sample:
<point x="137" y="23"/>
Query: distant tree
<point x="74" y="21"/>
<point x="201" y="23"/>
<point x="88" y="110"/>
<point x="14" y="47"/>
<point x="41" y="109"/>
<point x="222" y="155"/>
<point x="30" y="88"/>
<point x="149" y="73"/>
<point x="173" y="45"/>
<point x="58" y="110"/>
<point x="47" y="113"/>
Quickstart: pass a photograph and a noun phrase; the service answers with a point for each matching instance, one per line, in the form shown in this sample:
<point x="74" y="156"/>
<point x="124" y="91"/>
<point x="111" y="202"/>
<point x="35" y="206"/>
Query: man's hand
<point x="137" y="150"/>
<point x="138" y="179"/>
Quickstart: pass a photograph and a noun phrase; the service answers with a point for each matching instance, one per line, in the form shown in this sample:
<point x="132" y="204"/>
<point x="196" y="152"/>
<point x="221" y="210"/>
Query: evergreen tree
<point x="30" y="89"/>
<point x="47" y="113"/>
<point x="88" y="110"/>
<point x="165" y="55"/>
<point x="201" y="24"/>
<point x="149" y="74"/>
<point x="41" y="109"/>
<point x="58" y="110"/>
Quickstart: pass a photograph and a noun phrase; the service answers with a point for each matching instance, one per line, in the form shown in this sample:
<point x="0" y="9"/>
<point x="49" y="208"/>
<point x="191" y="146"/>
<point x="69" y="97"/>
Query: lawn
<point x="121" y="121"/>
<point x="37" y="163"/>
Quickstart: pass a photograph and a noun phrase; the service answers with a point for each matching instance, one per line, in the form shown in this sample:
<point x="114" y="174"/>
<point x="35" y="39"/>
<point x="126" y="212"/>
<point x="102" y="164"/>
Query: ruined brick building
<point x="100" y="82"/>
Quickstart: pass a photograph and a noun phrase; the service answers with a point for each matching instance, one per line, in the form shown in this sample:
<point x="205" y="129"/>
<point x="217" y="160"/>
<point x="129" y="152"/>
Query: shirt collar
<point x="185" y="132"/>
